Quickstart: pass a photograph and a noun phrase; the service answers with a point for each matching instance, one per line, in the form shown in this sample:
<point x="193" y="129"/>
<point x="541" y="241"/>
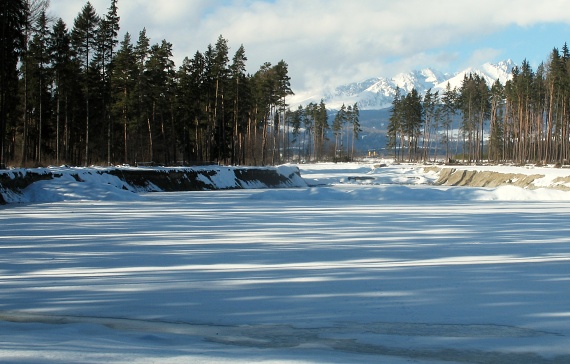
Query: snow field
<point x="391" y="271"/>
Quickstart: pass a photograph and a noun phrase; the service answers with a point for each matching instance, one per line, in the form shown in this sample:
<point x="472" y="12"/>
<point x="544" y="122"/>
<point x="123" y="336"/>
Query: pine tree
<point x="553" y="82"/>
<point x="185" y="103"/>
<point x="474" y="105"/>
<point x="283" y="89"/>
<point x="565" y="52"/>
<point x="38" y="60"/>
<point x="395" y="123"/>
<point x="124" y="81"/>
<point x="192" y="105"/>
<point x="35" y="10"/>
<point x="339" y="121"/>
<point x="296" y="121"/>
<point x="412" y="121"/>
<point x="449" y="105"/>
<point x="106" y="43"/>
<point x="219" y="75"/>
<point x="321" y="127"/>
<point x="159" y="75"/>
<point x="539" y="109"/>
<point x="483" y="114"/>
<point x="60" y="50"/>
<point x="84" y="42"/>
<point x="238" y="81"/>
<point x="309" y="124"/>
<point x="467" y="104"/>
<point x="354" y="120"/>
<point x="143" y="126"/>
<point x="496" y="147"/>
<point x="430" y="107"/>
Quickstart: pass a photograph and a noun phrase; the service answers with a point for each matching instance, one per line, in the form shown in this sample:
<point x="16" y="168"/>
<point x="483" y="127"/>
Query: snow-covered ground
<point x="368" y="265"/>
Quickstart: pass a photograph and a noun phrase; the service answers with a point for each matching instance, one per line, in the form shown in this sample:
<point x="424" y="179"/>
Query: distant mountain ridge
<point x="378" y="93"/>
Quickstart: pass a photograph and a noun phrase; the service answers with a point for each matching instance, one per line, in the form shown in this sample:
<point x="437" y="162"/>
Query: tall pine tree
<point x="123" y="91"/>
<point x="84" y="42"/>
<point x="38" y="61"/>
<point x="106" y="43"/>
<point x="60" y="50"/>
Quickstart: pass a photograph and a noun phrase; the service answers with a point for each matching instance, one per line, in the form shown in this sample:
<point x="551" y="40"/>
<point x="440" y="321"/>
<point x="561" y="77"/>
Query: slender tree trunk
<point x="264" y="141"/>
<point x="87" y="133"/>
<point x="125" y="129"/>
<point x="109" y="134"/>
<point x="57" y="123"/>
<point x="549" y="121"/>
<point x="66" y="136"/>
<point x="40" y="126"/>
<point x="173" y="143"/>
<point x="26" y="121"/>
<point x="149" y="124"/>
<point x="352" y="149"/>
<point x="164" y="140"/>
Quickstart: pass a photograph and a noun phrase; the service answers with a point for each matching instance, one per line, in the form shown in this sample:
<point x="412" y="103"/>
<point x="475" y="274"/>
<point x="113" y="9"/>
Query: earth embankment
<point x="464" y="176"/>
<point x="15" y="182"/>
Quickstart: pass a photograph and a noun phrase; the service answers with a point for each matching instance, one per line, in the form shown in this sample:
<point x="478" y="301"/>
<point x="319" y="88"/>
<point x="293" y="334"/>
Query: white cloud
<point x="328" y="41"/>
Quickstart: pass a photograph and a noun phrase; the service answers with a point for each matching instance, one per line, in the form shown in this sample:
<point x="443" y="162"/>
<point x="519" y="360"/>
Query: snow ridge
<point x="378" y="93"/>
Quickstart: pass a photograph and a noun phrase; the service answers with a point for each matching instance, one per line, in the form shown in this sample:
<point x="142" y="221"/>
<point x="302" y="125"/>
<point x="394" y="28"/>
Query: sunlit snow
<point x="366" y="265"/>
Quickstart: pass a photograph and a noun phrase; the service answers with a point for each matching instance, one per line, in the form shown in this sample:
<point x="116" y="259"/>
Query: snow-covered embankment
<point x="62" y="183"/>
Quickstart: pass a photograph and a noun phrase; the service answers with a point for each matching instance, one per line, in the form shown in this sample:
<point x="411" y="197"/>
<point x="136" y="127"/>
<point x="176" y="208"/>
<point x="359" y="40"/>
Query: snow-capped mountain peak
<point x="378" y="93"/>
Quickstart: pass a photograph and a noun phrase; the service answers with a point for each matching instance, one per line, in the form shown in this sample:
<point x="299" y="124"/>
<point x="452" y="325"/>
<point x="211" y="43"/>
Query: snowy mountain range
<point x="378" y="93"/>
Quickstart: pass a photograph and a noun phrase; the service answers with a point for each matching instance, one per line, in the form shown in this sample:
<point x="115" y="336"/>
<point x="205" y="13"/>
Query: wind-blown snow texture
<point x="368" y="265"/>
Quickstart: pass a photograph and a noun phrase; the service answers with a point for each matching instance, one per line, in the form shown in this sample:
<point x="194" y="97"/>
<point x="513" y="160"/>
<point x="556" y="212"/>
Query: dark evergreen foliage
<point x="13" y="21"/>
<point x="89" y="100"/>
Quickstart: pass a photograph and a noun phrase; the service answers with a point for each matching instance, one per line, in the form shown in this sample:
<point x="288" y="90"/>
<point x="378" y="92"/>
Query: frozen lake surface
<point x="394" y="271"/>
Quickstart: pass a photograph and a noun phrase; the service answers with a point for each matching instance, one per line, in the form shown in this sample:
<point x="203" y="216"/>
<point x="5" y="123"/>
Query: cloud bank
<point x="328" y="42"/>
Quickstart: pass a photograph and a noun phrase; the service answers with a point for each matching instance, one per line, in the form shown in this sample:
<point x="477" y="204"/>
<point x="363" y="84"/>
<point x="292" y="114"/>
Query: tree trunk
<point x="149" y="124"/>
<point x="125" y="129"/>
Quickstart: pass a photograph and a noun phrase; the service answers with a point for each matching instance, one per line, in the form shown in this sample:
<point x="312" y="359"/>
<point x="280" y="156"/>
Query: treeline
<point x="526" y="120"/>
<point x="80" y="96"/>
<point x="310" y="131"/>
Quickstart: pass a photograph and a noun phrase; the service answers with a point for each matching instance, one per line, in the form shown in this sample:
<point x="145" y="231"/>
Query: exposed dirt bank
<point x="15" y="182"/>
<point x="531" y="179"/>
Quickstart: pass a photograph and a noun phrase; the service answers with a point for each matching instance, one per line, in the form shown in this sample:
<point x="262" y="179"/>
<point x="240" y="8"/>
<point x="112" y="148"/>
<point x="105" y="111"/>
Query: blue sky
<point x="533" y="43"/>
<point x="333" y="42"/>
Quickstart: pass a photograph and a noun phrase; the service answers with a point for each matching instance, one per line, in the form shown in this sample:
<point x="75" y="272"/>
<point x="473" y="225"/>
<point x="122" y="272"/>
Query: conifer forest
<point x="78" y="95"/>
<point x="526" y="120"/>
